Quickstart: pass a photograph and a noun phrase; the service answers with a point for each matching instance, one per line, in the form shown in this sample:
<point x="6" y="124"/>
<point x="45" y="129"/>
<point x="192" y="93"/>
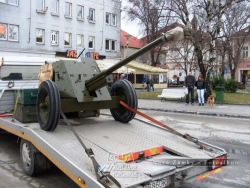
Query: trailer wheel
<point x="33" y="161"/>
<point x="125" y="89"/>
<point x="27" y="157"/>
<point x="48" y="105"/>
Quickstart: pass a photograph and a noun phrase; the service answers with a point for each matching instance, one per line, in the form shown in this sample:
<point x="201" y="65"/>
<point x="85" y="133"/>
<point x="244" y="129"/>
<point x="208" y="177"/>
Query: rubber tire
<point x="50" y="89"/>
<point x="38" y="162"/>
<point x="28" y="169"/>
<point x="125" y="89"/>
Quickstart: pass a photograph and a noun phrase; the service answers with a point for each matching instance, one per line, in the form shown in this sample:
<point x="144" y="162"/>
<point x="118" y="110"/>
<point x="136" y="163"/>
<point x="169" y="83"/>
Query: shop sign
<point x="71" y="54"/>
<point x="74" y="54"/>
<point x="94" y="55"/>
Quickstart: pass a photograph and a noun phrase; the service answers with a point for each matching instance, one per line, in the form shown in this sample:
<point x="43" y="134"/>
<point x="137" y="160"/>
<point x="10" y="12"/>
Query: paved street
<point x="11" y="174"/>
<point x="232" y="134"/>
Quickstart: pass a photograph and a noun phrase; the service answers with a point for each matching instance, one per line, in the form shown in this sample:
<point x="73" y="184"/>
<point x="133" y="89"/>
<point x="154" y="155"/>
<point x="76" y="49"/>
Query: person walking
<point x="151" y="84"/>
<point x="190" y="83"/>
<point x="200" y="84"/>
<point x="147" y="82"/>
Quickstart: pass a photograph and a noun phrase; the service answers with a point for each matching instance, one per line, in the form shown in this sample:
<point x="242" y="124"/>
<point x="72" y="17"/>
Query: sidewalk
<point x="225" y="110"/>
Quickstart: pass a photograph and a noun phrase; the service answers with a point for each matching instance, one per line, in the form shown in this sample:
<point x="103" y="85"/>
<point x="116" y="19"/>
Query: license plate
<point x="156" y="184"/>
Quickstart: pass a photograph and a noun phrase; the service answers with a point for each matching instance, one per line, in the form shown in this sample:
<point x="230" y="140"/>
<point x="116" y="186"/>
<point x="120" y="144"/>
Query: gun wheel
<point x="48" y="105"/>
<point x="125" y="89"/>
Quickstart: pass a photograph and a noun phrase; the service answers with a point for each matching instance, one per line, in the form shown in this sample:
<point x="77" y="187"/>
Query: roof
<point x="133" y="41"/>
<point x="107" y="63"/>
<point x="163" y="66"/>
<point x="242" y="32"/>
<point x="142" y="66"/>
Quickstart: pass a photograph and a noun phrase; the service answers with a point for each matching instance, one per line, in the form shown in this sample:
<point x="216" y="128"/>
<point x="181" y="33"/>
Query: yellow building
<point x="142" y="70"/>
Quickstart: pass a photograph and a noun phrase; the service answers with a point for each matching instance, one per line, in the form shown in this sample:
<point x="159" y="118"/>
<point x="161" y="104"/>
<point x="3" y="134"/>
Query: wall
<point x="20" y="15"/>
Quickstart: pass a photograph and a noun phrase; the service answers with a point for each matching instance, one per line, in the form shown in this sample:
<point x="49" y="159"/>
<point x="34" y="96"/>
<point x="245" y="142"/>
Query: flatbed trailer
<point x="179" y="161"/>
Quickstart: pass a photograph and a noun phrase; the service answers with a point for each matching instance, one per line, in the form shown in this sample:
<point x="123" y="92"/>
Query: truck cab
<point x="16" y="73"/>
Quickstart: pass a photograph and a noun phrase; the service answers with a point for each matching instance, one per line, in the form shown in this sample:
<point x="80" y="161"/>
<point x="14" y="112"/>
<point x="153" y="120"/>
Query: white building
<point x="53" y="28"/>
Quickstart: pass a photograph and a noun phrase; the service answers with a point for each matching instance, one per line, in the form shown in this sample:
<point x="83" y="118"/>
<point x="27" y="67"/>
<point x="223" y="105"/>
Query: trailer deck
<point x="107" y="138"/>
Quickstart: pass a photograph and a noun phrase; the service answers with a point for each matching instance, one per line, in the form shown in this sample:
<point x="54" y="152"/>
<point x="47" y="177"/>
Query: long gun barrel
<point x="99" y="80"/>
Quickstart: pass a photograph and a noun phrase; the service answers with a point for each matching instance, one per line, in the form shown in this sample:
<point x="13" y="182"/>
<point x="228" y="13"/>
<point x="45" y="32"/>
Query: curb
<point x="183" y="101"/>
<point x="197" y="113"/>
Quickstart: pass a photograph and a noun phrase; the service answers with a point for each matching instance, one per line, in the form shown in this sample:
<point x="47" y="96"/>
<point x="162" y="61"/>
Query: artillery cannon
<point x="80" y="86"/>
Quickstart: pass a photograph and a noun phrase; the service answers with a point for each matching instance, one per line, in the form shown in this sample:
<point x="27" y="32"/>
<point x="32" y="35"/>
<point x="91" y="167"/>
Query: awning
<point x="146" y="67"/>
<point x="107" y="63"/>
<point x="25" y="60"/>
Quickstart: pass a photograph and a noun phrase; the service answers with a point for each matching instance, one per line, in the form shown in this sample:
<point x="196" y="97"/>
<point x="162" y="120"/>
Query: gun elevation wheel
<point x="125" y="89"/>
<point x="48" y="105"/>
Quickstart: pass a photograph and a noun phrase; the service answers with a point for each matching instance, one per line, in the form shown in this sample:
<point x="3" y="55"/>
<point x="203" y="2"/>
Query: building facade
<point x="241" y="47"/>
<point x="59" y="28"/>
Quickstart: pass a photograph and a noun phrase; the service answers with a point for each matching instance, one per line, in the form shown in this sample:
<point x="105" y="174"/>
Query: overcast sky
<point x="129" y="27"/>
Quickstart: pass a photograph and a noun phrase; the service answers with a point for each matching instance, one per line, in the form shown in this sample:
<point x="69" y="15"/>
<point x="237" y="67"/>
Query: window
<point x="91" y="42"/>
<point x="110" y="19"/>
<point x="3" y="31"/>
<point x="108" y="15"/>
<point x="113" y="45"/>
<point x="40" y="36"/>
<point x="80" y="13"/>
<point x="67" y="39"/>
<point x="54" y="37"/>
<point x="68" y="9"/>
<point x="8" y="31"/>
<point x="40" y="4"/>
<point x="110" y="45"/>
<point x="11" y="2"/>
<point x="79" y="41"/>
<point x="55" y="7"/>
<point x="13" y="33"/>
<point x="140" y="78"/>
<point x="91" y="14"/>
<point x="107" y="46"/>
<point x="245" y="52"/>
<point x="113" y="20"/>
<point x="17" y="72"/>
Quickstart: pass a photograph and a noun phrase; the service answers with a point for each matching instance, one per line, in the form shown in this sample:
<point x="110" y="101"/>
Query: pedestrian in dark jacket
<point x="200" y="84"/>
<point x="151" y="84"/>
<point x="190" y="83"/>
<point x="147" y="82"/>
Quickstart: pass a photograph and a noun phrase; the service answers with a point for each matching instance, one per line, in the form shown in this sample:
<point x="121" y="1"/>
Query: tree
<point x="182" y="55"/>
<point x="210" y="15"/>
<point x="236" y="18"/>
<point x="151" y="16"/>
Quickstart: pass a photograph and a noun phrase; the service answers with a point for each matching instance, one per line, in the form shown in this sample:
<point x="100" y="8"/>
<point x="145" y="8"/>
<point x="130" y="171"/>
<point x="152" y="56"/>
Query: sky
<point x="129" y="27"/>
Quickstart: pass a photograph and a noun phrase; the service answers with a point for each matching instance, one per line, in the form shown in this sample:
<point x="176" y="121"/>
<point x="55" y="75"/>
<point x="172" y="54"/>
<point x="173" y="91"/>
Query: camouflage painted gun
<point x="81" y="86"/>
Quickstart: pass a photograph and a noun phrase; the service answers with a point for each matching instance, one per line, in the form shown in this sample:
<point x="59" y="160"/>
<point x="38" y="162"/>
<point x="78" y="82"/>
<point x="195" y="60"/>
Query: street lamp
<point x="127" y="41"/>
